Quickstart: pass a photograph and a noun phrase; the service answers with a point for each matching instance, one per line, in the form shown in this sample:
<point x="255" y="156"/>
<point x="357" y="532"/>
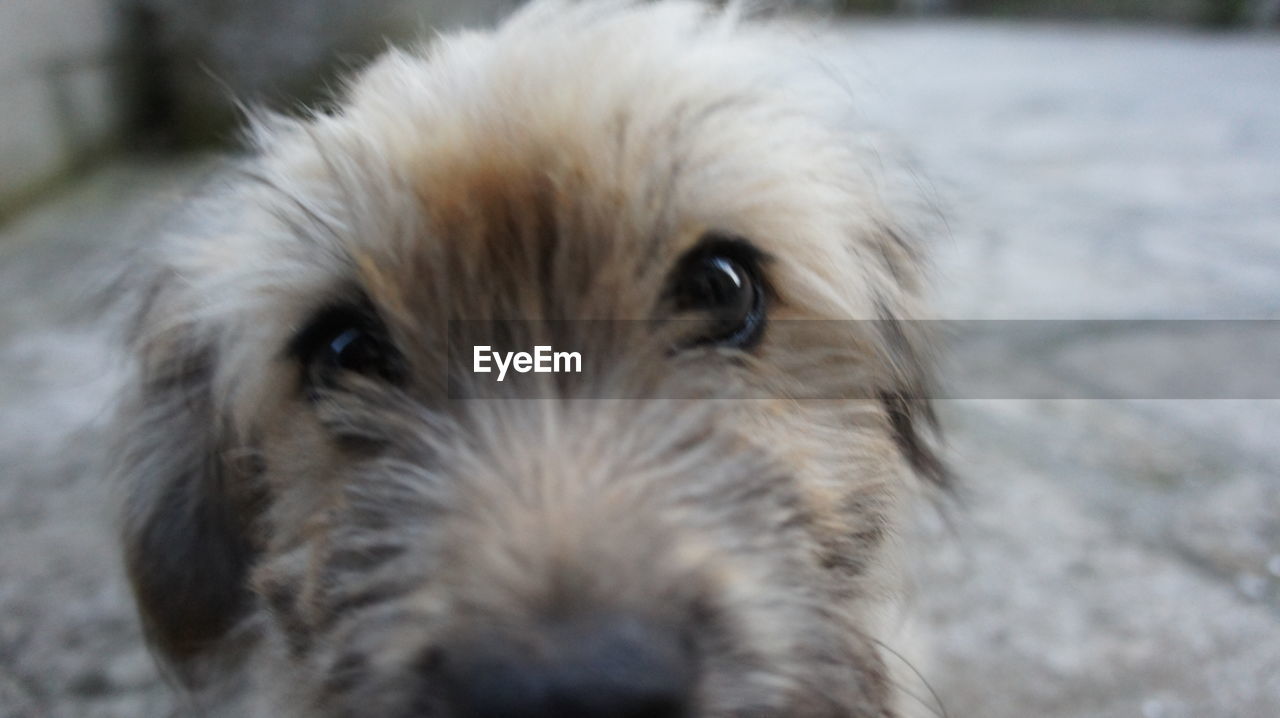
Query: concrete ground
<point x="1107" y="558"/>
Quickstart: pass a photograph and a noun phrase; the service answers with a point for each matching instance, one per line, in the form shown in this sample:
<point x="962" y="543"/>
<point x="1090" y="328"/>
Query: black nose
<point x="611" y="668"/>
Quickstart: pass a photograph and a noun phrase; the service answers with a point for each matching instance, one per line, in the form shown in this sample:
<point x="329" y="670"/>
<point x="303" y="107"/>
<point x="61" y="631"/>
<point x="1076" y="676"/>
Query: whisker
<point x="941" y="710"/>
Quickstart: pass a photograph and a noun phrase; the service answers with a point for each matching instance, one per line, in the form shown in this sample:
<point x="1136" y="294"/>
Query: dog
<point x="330" y="511"/>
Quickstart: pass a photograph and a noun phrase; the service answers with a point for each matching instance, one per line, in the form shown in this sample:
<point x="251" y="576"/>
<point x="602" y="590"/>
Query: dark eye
<point x="721" y="279"/>
<point x="346" y="339"/>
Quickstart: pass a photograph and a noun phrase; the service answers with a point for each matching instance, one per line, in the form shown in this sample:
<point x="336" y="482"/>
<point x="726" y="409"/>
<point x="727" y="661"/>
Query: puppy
<point x="332" y="512"/>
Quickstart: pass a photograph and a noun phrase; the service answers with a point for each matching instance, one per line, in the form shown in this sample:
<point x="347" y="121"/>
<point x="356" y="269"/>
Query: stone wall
<point x="197" y="58"/>
<point x="59" y="107"/>
<point x="80" y="76"/>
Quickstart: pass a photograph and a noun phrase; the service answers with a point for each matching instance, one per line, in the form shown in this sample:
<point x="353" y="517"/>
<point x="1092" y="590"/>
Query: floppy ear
<point x="908" y="399"/>
<point x="915" y="431"/>
<point x="186" y="520"/>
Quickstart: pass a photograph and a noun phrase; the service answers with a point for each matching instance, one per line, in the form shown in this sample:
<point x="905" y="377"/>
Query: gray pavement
<point x="1110" y="558"/>
<point x="1107" y="558"/>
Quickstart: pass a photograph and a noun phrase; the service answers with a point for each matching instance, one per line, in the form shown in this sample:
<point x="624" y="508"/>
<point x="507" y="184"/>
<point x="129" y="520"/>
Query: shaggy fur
<point x="341" y="548"/>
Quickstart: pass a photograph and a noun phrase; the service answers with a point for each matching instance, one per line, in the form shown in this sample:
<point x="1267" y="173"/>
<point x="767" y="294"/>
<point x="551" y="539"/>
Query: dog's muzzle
<point x="604" y="667"/>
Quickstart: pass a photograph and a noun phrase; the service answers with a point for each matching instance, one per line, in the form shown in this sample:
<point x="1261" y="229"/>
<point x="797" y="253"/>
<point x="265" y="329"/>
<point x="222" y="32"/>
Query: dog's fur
<point x="324" y="551"/>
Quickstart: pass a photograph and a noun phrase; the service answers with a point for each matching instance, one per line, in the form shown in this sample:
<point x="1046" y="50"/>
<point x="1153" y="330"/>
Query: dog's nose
<point x="613" y="668"/>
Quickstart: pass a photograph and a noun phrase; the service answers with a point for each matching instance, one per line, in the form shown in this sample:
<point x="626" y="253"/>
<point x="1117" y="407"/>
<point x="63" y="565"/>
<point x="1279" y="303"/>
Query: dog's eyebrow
<point x="379" y="288"/>
<point x="730" y="242"/>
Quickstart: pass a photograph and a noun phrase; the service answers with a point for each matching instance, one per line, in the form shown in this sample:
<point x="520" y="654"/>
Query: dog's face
<point x="326" y="497"/>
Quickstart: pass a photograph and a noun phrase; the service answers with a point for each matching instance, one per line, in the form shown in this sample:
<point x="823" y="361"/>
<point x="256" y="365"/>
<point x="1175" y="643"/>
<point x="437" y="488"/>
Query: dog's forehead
<point x="621" y="187"/>
<point x="547" y="156"/>
<point x="574" y="138"/>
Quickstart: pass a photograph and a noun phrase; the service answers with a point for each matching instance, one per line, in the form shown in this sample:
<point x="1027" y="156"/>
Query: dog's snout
<point x="612" y="668"/>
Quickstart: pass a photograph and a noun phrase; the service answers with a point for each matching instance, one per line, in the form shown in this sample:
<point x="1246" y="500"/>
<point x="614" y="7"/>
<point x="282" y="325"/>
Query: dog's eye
<point x="346" y="339"/>
<point x="721" y="278"/>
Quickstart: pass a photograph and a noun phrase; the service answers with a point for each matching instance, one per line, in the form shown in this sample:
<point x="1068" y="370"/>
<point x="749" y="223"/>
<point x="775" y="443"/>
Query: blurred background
<point x="1087" y="159"/>
<point x="84" y="77"/>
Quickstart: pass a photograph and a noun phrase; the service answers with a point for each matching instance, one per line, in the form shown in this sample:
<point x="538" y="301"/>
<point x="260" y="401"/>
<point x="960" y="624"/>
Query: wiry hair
<point x="319" y="549"/>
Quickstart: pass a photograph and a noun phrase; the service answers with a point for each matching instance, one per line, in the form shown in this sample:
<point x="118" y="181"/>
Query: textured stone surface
<point x="54" y="78"/>
<point x="1114" y="558"/>
<point x="209" y="55"/>
<point x="1109" y="558"/>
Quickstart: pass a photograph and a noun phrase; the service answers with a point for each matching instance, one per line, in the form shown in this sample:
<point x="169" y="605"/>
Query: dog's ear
<point x="908" y="398"/>
<point x="186" y="520"/>
<point x="915" y="430"/>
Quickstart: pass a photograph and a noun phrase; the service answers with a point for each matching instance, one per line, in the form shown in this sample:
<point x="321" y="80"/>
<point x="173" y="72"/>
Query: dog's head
<point x="324" y="491"/>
